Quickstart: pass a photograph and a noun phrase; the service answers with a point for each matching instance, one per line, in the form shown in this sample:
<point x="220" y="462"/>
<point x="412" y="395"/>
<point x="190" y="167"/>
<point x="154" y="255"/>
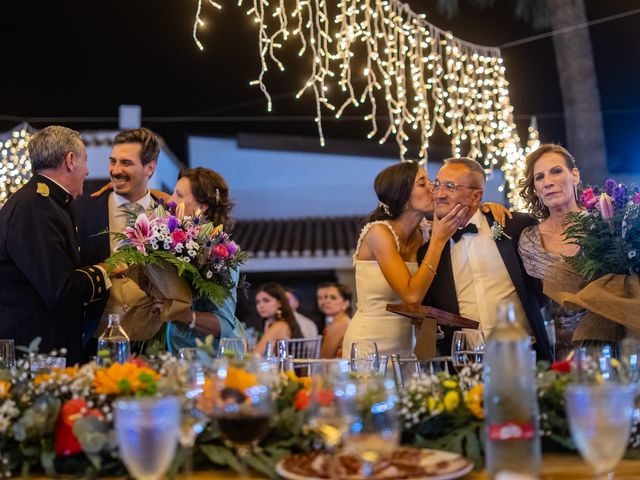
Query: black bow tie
<point x="470" y="228"/>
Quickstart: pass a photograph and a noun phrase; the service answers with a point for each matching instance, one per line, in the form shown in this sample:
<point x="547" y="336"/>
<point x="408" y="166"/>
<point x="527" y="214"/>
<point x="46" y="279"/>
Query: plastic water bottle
<point x="113" y="344"/>
<point x="512" y="436"/>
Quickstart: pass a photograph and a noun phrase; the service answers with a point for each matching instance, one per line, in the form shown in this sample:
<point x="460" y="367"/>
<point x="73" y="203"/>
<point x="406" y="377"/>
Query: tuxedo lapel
<point x="442" y="293"/>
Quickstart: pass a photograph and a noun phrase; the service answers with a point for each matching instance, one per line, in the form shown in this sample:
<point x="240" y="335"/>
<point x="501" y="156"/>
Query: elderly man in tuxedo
<point x="480" y="267"/>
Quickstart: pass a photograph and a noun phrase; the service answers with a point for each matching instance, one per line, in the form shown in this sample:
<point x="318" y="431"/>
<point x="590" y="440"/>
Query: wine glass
<point x="7" y="354"/>
<point x="374" y="431"/>
<point x="365" y="359"/>
<point x="600" y="422"/>
<point x="242" y="403"/>
<point x="194" y="419"/>
<point x="467" y="348"/>
<point x="234" y="346"/>
<point x="329" y="415"/>
<point x="147" y="432"/>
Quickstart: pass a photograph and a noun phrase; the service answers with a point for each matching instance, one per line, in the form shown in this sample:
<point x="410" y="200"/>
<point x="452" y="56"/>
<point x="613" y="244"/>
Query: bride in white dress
<point x="386" y="254"/>
<point x="385" y="258"/>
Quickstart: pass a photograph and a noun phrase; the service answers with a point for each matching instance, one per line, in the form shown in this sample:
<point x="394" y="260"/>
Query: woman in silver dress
<point x="550" y="190"/>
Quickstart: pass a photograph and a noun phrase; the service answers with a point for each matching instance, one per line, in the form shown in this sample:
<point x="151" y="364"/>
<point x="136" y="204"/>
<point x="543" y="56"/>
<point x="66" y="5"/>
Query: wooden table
<point x="555" y="466"/>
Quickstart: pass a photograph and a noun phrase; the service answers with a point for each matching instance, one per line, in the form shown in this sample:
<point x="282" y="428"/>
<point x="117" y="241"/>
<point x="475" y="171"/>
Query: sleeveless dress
<point x="392" y="333"/>
<point x="561" y="322"/>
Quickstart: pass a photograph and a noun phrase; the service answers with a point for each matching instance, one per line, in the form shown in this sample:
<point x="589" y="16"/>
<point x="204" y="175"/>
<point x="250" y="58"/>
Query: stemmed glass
<point x="329" y="413"/>
<point x="147" y="432"/>
<point x="7" y="354"/>
<point x="599" y="408"/>
<point x="194" y="418"/>
<point x="467" y="348"/>
<point x="232" y="345"/>
<point x="365" y="359"/>
<point x="242" y="404"/>
<point x="374" y="431"/>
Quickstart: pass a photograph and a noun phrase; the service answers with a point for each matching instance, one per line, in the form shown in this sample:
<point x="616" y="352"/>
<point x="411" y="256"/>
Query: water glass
<point x="147" y="431"/>
<point x="374" y="430"/>
<point x="232" y="346"/>
<point x="42" y="364"/>
<point x="467" y="348"/>
<point x="600" y="422"/>
<point x="329" y="416"/>
<point x="365" y="358"/>
<point x="7" y="354"/>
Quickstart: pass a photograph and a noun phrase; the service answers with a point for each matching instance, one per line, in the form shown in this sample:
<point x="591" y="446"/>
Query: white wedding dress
<point x="392" y="333"/>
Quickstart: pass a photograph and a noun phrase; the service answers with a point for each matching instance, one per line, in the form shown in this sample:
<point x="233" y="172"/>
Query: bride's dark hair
<point x="393" y="187"/>
<point x="209" y="188"/>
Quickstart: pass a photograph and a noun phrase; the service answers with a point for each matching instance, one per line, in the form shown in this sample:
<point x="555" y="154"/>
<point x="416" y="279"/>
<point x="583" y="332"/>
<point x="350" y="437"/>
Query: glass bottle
<point x="512" y="436"/>
<point x="113" y="344"/>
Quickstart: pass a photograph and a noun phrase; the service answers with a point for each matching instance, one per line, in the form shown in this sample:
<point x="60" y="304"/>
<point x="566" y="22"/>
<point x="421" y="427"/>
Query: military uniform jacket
<point x="43" y="289"/>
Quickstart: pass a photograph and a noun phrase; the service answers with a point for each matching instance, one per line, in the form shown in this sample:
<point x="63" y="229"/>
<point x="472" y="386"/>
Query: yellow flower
<point x="474" y="401"/>
<point x="450" y="384"/>
<point x="451" y="400"/>
<point x="239" y="379"/>
<point x="55" y="374"/>
<point x="123" y="378"/>
<point x="304" y="381"/>
<point x="5" y="388"/>
<point x="431" y="403"/>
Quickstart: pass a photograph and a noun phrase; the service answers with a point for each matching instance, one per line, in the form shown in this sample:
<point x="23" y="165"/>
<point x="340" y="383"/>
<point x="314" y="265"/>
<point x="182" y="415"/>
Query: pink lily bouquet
<point x="607" y="232"/>
<point x="201" y="252"/>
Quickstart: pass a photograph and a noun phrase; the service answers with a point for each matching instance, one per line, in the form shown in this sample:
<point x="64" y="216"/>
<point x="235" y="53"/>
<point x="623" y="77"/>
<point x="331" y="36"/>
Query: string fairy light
<point x="15" y="166"/>
<point x="380" y="56"/>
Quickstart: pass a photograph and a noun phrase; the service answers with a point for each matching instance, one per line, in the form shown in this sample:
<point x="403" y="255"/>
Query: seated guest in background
<point x="550" y="189"/>
<point x="274" y="309"/>
<point x="479" y="266"/>
<point x="334" y="300"/>
<point x="44" y="291"/>
<point x="205" y="190"/>
<point x="308" y="326"/>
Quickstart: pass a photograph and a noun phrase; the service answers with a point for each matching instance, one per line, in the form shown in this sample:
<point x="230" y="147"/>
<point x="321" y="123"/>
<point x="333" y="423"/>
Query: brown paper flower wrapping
<point x="142" y="321"/>
<point x="612" y="301"/>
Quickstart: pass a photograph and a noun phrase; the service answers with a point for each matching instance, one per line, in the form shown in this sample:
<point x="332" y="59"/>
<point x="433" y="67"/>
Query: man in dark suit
<point x="133" y="160"/>
<point x="44" y="290"/>
<point x="480" y="267"/>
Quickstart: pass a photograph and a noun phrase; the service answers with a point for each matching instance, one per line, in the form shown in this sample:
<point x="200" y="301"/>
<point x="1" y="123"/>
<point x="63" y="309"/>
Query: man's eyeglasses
<point x="450" y="187"/>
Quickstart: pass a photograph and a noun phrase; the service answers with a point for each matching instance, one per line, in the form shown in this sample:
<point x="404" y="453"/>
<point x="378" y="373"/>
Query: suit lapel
<point x="511" y="262"/>
<point x="445" y="286"/>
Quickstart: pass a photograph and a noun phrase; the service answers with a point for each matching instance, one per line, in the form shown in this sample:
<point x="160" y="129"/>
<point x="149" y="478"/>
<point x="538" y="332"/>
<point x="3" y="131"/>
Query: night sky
<point x="84" y="58"/>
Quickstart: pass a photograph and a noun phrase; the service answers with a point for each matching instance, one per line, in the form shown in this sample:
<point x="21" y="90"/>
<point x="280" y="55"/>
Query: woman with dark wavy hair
<point x="334" y="301"/>
<point x="205" y="191"/>
<point x="550" y="190"/>
<point x="386" y="256"/>
<point x="280" y="323"/>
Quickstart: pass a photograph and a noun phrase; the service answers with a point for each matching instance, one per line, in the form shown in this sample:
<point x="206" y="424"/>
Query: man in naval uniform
<point x="44" y="290"/>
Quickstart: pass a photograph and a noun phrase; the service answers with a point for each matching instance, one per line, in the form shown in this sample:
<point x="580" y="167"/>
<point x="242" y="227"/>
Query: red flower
<point x="324" y="397"/>
<point x="636" y="198"/>
<point x="220" y="251"/>
<point x="561" y="367"/>
<point x="302" y="400"/>
<point x="138" y="361"/>
<point x="66" y="442"/>
<point x="178" y="236"/>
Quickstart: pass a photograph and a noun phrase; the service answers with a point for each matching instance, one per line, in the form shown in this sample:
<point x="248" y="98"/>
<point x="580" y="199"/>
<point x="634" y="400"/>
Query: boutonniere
<point x="497" y="232"/>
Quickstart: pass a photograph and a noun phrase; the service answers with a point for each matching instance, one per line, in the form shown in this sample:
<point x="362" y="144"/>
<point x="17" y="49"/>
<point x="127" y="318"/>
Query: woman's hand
<point x="443" y="228"/>
<point x="499" y="212"/>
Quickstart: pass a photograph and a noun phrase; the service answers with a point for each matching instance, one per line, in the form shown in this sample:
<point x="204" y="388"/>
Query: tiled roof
<point x="298" y="237"/>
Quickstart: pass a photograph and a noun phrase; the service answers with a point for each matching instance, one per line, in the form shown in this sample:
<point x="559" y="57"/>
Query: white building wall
<point x="280" y="184"/>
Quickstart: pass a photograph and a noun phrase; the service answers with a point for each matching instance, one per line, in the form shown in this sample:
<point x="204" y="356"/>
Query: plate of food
<point x="405" y="463"/>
